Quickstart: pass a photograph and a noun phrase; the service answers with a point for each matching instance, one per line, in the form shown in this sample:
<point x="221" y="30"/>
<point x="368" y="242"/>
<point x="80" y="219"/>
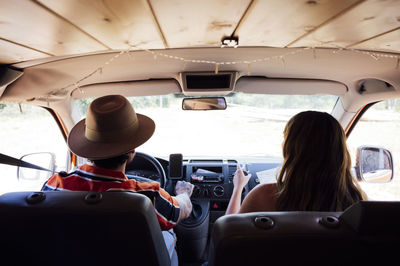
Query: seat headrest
<point x="373" y="217"/>
<point x="88" y="228"/>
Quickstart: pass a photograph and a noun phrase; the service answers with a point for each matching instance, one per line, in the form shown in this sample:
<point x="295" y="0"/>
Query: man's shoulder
<point x="140" y="179"/>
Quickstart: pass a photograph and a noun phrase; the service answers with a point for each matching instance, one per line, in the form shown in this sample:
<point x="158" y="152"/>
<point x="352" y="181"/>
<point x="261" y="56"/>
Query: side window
<point x="24" y="130"/>
<point x="380" y="126"/>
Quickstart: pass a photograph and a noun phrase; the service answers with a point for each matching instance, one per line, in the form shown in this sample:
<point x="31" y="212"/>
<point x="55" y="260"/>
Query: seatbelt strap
<point x="5" y="159"/>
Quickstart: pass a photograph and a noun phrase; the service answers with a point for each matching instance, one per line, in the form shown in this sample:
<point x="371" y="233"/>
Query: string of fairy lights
<point x="217" y="64"/>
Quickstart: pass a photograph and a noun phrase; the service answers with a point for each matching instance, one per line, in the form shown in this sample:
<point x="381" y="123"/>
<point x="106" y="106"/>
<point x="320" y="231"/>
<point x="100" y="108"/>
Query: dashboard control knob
<point x="218" y="191"/>
<point x="196" y="191"/>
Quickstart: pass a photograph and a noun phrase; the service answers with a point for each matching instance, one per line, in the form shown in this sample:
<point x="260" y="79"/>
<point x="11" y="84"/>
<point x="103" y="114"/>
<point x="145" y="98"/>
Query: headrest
<point x="91" y="228"/>
<point x="373" y="217"/>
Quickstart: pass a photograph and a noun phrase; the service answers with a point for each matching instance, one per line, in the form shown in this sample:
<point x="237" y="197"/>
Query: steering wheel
<point x="135" y="164"/>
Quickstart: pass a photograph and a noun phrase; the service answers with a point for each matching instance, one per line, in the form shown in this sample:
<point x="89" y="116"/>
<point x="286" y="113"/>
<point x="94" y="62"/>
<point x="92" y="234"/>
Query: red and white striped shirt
<point x="92" y="178"/>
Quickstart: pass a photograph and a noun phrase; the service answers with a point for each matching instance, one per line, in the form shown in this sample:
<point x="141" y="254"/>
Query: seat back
<point x="355" y="236"/>
<point x="80" y="228"/>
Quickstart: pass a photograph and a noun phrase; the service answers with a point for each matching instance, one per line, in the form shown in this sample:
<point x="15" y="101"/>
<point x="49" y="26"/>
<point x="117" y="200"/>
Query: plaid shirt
<point x="92" y="178"/>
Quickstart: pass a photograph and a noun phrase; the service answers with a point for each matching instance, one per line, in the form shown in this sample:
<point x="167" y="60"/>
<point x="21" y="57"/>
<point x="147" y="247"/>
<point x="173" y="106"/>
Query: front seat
<point x="80" y="228"/>
<point x="366" y="233"/>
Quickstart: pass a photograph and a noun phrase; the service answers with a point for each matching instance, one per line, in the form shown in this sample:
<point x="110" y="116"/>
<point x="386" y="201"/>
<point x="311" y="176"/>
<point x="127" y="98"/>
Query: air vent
<point x="232" y="169"/>
<point x="207" y="83"/>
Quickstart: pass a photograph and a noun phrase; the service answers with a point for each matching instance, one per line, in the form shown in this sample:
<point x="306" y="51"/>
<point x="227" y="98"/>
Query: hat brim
<point x="81" y="146"/>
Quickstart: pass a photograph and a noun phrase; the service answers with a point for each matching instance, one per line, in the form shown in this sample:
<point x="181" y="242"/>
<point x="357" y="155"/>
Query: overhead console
<point x="207" y="83"/>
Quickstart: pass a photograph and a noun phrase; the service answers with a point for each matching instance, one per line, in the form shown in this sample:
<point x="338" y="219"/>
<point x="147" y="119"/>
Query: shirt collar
<point x="102" y="172"/>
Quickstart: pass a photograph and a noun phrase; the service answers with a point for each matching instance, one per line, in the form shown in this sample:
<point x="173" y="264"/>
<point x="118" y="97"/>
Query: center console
<point x="212" y="180"/>
<point x="213" y="186"/>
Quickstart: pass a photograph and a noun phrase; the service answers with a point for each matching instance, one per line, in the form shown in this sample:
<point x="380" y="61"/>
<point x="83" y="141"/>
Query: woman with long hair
<point x="315" y="174"/>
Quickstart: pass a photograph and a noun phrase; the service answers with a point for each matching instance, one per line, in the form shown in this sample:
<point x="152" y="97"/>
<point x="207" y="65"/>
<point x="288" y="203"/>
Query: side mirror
<point x="374" y="164"/>
<point x="46" y="160"/>
<point x="204" y="103"/>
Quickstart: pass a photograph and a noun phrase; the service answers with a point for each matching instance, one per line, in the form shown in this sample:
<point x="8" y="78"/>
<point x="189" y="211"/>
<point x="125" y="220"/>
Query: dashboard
<point x="212" y="178"/>
<point x="213" y="186"/>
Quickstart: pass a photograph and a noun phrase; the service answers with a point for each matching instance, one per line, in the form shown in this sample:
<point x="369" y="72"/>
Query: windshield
<point x="251" y="126"/>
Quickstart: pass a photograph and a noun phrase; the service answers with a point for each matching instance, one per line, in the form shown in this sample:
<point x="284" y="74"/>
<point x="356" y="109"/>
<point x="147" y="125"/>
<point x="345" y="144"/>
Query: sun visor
<point x="263" y="85"/>
<point x="8" y="76"/>
<point x="129" y="88"/>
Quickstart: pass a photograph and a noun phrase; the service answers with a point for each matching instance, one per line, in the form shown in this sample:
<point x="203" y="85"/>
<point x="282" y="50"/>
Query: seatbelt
<point x="5" y="159"/>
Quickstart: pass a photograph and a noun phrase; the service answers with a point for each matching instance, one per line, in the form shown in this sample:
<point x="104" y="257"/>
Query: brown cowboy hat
<point x="111" y="128"/>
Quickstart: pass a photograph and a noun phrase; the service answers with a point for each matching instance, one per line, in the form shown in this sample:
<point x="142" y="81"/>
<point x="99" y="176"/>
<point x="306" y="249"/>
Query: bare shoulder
<point x="264" y="190"/>
<point x="260" y="198"/>
<point x="267" y="187"/>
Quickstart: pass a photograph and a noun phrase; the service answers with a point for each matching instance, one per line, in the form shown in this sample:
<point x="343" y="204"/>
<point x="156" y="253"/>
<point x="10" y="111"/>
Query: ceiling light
<point x="230" y="42"/>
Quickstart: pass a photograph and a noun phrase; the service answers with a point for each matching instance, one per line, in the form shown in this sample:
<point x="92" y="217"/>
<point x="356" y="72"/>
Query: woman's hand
<point x="240" y="179"/>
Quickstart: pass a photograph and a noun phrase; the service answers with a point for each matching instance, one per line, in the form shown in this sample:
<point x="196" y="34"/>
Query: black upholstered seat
<point x="80" y="228"/>
<point x="366" y="233"/>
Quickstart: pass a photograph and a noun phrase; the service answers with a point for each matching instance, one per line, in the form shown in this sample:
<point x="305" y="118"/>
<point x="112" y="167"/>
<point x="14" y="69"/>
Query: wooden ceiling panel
<point x="198" y="23"/>
<point x="113" y="22"/>
<point x="278" y="23"/>
<point x="29" y="24"/>
<point x="11" y="53"/>
<point x="388" y="42"/>
<point x="368" y="19"/>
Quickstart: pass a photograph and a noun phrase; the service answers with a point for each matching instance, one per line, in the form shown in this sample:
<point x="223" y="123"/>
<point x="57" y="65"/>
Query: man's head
<point x="116" y="162"/>
<point x="111" y="129"/>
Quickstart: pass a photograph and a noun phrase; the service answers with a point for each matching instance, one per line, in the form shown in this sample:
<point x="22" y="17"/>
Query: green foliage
<point x="12" y="110"/>
<point x="142" y="102"/>
<point x="317" y="102"/>
<point x="284" y="101"/>
<point x="162" y="101"/>
<point x="83" y="104"/>
<point x="391" y="104"/>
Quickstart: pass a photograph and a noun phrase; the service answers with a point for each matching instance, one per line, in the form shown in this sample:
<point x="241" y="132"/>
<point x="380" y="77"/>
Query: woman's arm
<point x="239" y="181"/>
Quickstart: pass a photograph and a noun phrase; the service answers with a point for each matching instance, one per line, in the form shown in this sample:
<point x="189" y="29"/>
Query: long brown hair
<point x="315" y="174"/>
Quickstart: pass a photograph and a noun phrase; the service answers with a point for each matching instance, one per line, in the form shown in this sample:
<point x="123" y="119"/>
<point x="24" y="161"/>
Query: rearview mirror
<point x="374" y="164"/>
<point x="204" y="103"/>
<point x="46" y="160"/>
